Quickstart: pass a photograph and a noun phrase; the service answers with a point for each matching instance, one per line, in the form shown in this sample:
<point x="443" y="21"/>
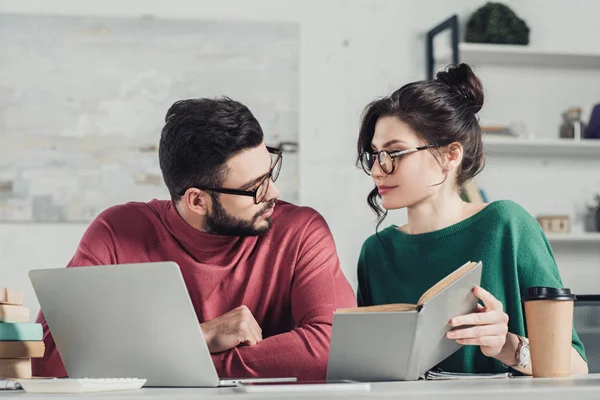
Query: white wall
<point x="25" y="247"/>
<point x="351" y="52"/>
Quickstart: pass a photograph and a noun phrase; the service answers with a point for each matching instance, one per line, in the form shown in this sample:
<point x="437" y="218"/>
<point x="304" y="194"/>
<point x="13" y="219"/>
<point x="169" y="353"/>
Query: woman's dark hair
<point x="441" y="111"/>
<point x="199" y="137"/>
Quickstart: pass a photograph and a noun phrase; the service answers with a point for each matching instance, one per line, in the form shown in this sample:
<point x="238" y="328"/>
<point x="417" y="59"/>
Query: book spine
<point x="20" y="332"/>
<point x="10" y="313"/>
<point x="11" y="296"/>
<point x="22" y="349"/>
<point x="412" y="368"/>
<point x="19" y="368"/>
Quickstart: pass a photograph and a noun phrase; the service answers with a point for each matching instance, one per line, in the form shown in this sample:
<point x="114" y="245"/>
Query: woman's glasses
<point x="386" y="159"/>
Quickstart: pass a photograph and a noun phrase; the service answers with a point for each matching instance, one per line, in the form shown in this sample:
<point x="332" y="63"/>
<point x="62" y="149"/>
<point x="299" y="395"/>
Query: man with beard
<point x="263" y="275"/>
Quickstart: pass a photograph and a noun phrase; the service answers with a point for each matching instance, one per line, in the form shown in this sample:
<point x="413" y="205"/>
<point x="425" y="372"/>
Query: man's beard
<point x="220" y="222"/>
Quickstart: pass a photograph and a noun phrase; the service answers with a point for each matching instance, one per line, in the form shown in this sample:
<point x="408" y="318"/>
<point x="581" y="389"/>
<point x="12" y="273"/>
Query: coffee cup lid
<point x="548" y="293"/>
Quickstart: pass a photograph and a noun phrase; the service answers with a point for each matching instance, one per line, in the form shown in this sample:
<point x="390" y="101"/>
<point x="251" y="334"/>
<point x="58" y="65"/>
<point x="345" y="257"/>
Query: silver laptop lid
<point x="130" y="320"/>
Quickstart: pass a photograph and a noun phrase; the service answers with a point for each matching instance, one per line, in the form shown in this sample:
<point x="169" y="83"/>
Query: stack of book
<point x="20" y="341"/>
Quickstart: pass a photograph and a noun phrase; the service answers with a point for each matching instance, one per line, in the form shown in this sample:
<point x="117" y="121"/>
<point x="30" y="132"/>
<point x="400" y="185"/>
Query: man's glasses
<point x="261" y="190"/>
<point x="385" y="159"/>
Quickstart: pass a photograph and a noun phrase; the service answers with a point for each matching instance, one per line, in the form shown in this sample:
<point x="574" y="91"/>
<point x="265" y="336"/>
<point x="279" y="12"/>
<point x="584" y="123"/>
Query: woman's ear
<point x="453" y="155"/>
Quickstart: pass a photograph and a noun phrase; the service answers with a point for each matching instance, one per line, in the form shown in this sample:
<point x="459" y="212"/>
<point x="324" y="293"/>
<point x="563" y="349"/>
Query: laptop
<point x="128" y="321"/>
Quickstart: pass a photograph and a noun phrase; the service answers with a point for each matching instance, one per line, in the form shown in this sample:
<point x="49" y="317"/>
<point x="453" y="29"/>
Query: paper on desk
<point x="8" y="384"/>
<point x="438" y="375"/>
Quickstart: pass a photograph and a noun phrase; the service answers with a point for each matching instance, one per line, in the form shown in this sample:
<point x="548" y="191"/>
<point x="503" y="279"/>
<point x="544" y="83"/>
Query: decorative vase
<point x="572" y="126"/>
<point x="593" y="129"/>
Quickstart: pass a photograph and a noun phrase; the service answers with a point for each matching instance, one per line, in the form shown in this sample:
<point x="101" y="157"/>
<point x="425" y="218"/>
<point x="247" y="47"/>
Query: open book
<point x="401" y="341"/>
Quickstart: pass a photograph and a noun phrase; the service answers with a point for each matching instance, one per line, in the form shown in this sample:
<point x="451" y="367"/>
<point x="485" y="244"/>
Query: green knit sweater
<point x="397" y="267"/>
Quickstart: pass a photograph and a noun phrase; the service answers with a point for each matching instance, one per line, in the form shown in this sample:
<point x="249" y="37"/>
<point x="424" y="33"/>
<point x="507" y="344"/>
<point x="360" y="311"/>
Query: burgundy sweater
<point x="289" y="278"/>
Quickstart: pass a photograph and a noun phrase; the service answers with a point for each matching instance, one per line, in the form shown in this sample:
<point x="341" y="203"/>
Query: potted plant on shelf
<point x="496" y="23"/>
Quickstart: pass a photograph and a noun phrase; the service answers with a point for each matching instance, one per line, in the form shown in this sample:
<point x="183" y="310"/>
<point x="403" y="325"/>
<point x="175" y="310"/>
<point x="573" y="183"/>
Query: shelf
<point x="541" y="147"/>
<point x="591" y="237"/>
<point x="515" y="55"/>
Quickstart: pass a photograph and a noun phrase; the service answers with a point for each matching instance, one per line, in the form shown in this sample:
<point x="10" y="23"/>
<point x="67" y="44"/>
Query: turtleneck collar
<point x="196" y="241"/>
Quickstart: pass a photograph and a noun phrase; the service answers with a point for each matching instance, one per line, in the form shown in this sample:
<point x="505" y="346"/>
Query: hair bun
<point x="463" y="80"/>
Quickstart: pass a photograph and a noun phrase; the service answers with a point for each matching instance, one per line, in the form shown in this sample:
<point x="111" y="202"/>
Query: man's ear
<point x="196" y="200"/>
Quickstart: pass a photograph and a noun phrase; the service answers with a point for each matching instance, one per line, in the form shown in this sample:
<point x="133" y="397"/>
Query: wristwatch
<point x="522" y="354"/>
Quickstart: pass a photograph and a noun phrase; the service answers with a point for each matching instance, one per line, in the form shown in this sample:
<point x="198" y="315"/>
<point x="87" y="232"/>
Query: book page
<point x="444" y="283"/>
<point x="435" y="289"/>
<point x="380" y="308"/>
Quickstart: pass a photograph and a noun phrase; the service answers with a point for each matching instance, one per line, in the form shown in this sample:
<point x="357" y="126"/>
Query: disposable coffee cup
<point x="549" y="316"/>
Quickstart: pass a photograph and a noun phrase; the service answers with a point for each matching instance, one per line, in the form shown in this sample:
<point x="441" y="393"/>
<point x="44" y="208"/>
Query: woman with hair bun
<point x="420" y="145"/>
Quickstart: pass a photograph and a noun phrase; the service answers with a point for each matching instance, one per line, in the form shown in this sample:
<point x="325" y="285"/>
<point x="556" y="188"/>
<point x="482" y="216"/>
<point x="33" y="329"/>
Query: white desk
<point x="576" y="388"/>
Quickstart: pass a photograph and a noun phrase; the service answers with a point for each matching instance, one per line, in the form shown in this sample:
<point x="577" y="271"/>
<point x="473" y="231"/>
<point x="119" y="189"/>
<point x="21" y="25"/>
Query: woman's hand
<point x="487" y="328"/>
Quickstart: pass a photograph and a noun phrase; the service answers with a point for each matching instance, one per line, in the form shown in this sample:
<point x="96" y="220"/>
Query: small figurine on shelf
<point x="572" y="126"/>
<point x="592" y="216"/>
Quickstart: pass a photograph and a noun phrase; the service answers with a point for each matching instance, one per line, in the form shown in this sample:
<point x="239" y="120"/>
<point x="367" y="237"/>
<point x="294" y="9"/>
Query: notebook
<point x="439" y="375"/>
<point x="9" y="384"/>
<point x="402" y="341"/>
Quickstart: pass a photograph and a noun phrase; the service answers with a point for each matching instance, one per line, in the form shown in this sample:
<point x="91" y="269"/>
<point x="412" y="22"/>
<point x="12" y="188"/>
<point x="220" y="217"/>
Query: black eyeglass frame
<point x="251" y="193"/>
<point x="392" y="155"/>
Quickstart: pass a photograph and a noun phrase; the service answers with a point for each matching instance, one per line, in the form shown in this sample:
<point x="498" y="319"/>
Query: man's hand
<point x="237" y="327"/>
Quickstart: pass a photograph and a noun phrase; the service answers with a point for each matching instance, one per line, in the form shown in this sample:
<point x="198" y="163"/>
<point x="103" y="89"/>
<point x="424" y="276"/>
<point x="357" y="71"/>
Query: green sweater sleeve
<point x="536" y="265"/>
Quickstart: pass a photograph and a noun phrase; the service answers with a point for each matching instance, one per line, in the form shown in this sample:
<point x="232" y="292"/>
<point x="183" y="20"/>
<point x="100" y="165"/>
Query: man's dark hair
<point x="199" y="137"/>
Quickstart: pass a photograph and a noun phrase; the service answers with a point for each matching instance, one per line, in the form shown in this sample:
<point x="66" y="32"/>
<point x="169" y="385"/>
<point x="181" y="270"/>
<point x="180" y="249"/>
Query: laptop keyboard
<point x="80" y="385"/>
